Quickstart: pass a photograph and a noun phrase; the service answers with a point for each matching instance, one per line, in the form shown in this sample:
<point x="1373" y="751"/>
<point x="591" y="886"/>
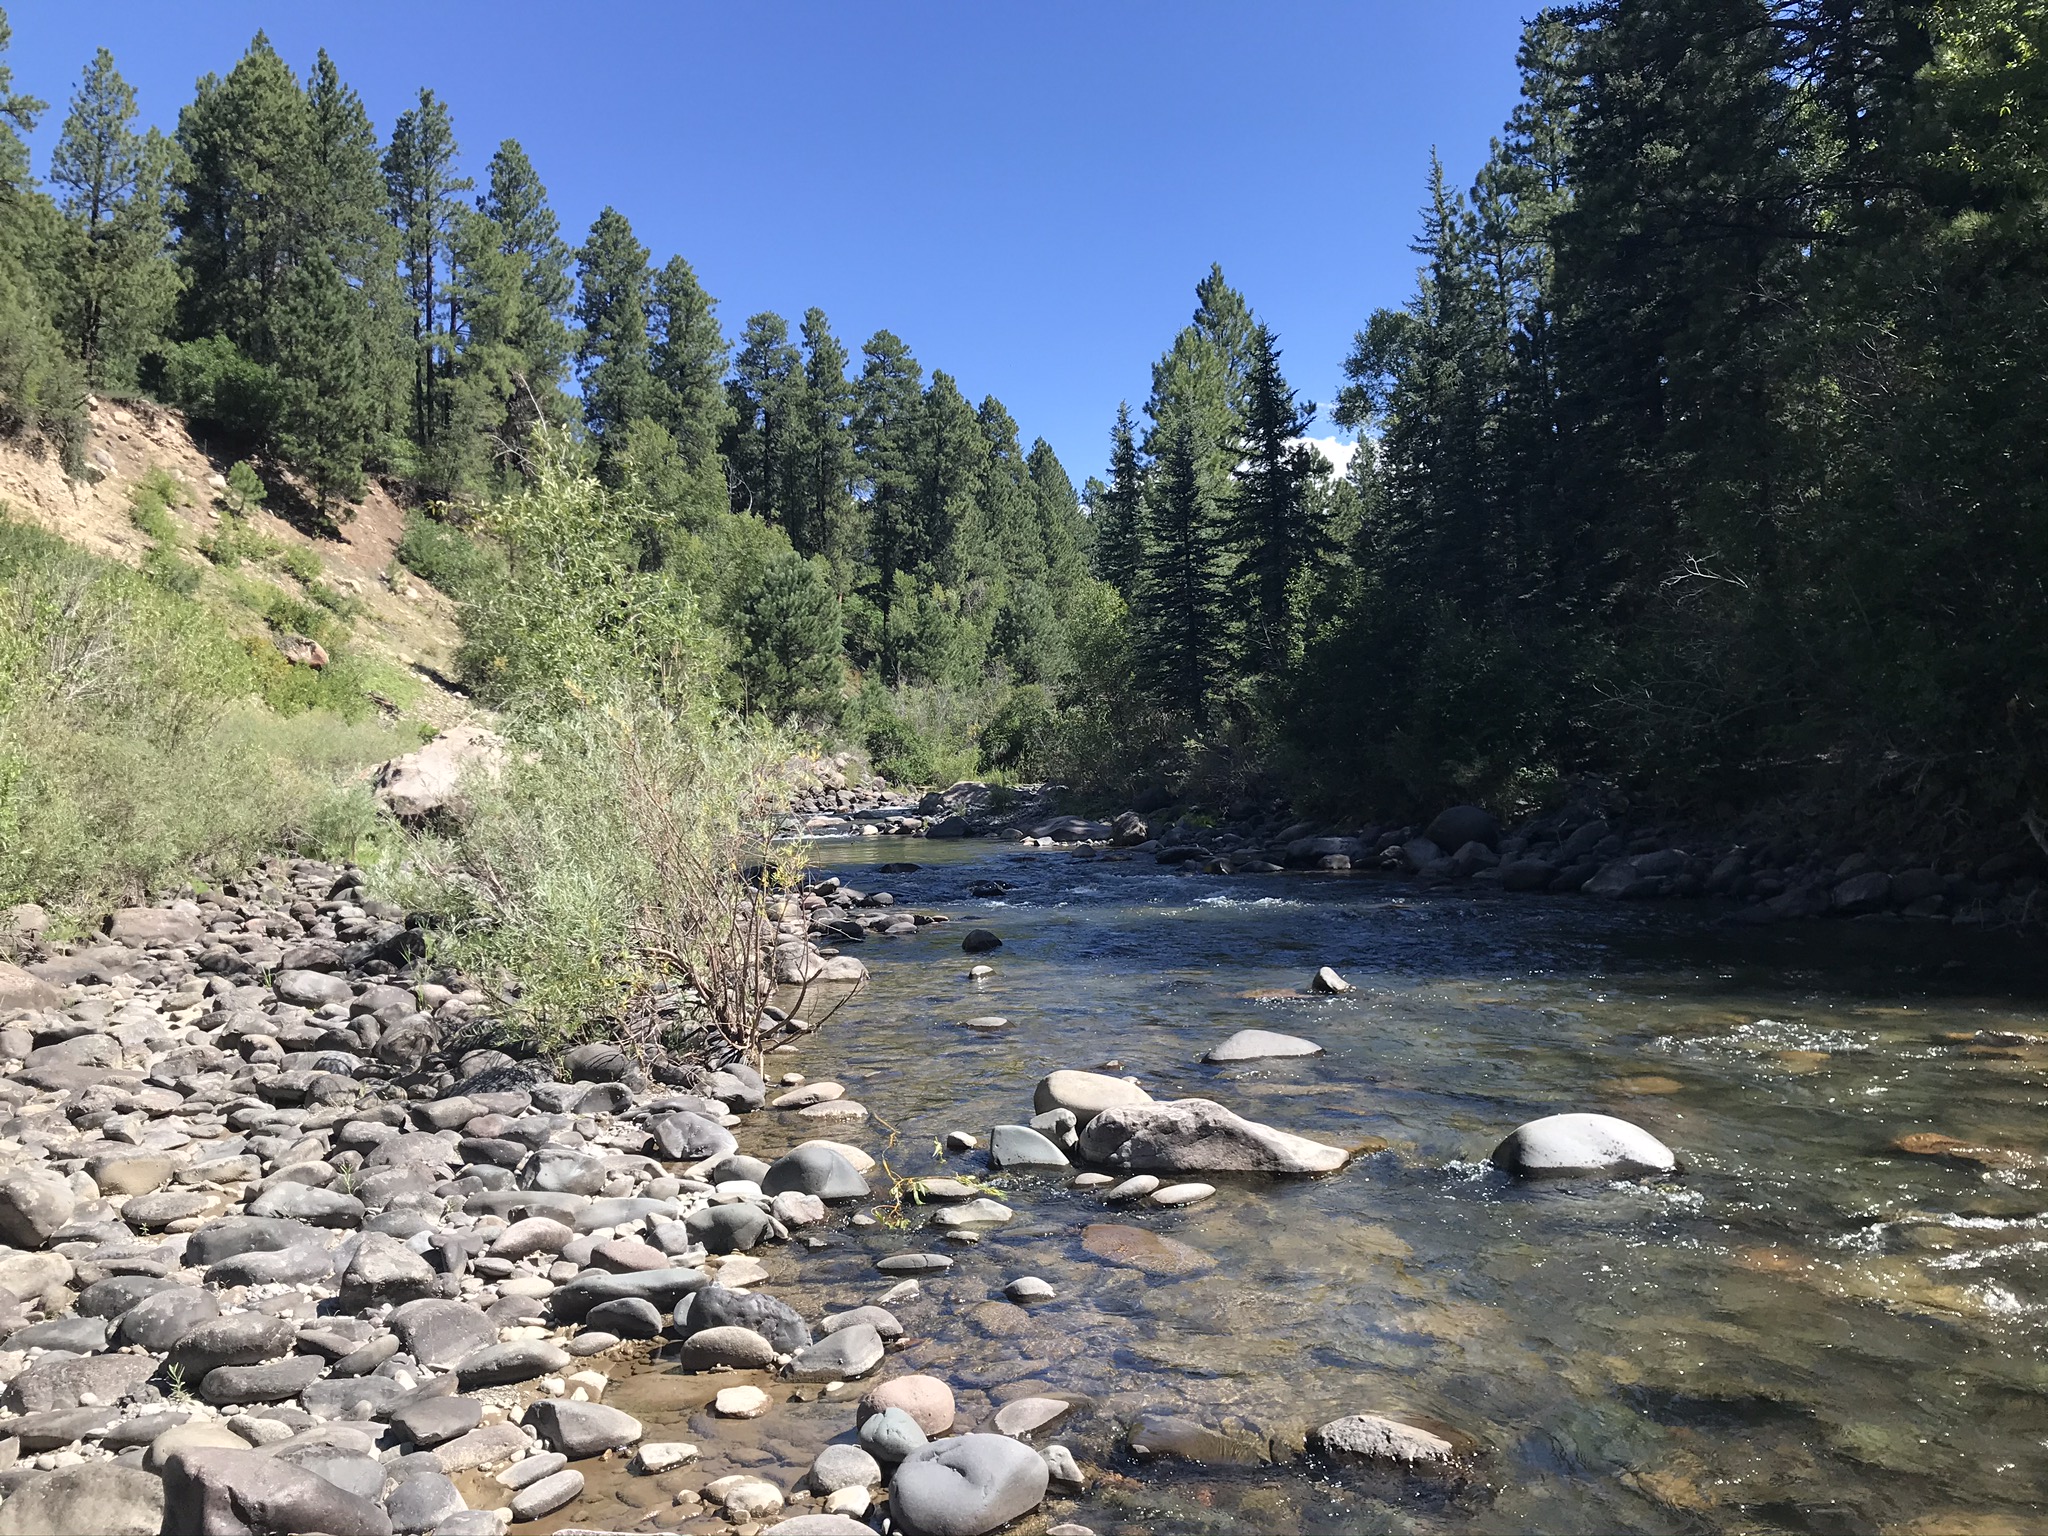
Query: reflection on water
<point x="1809" y="1331"/>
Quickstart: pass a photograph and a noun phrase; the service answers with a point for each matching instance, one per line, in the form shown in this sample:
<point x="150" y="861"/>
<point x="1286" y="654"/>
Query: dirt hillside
<point x="404" y="620"/>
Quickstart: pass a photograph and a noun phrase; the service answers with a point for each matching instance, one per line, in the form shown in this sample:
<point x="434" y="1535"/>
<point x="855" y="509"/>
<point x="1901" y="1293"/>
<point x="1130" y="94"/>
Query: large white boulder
<point x="428" y="781"/>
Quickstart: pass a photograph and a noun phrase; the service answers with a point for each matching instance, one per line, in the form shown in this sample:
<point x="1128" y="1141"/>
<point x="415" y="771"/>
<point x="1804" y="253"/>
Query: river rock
<point x="1582" y="1146"/>
<point x="1325" y="980"/>
<point x="881" y="1319"/>
<point x="630" y="1317"/>
<point x="534" y="1234"/>
<point x="434" y="1420"/>
<point x="1026" y="1415"/>
<point x="1259" y="1044"/>
<point x="238" y="1493"/>
<point x="967" y="1485"/>
<point x="719" y="1306"/>
<point x="579" y="1430"/>
<point x="240" y="1338"/>
<point x="1181" y="1194"/>
<point x="1463" y="824"/>
<point x="1019" y="1146"/>
<point x="655" y="1457"/>
<point x="1199" y="1136"/>
<point x="690" y="1138"/>
<point x="733" y="1348"/>
<point x="815" y="1170"/>
<point x="728" y="1228"/>
<point x="502" y="1365"/>
<point x="891" y="1435"/>
<point x="981" y="1212"/>
<point x="1370" y="1437"/>
<point x="914" y="1263"/>
<point x="844" y="1466"/>
<point x="1139" y="1248"/>
<point x="845" y="1355"/>
<point x="22" y="993"/>
<point x="1087" y="1094"/>
<point x="97" y="1499"/>
<point x="439" y="1333"/>
<point x="979" y="941"/>
<point x="547" y="1495"/>
<point x="926" y="1399"/>
<point x="741" y="1403"/>
<point x="157" y="1322"/>
<point x="57" y="1382"/>
<point x="271" y="1382"/>
<point x="383" y="1271"/>
<point x="1028" y="1288"/>
<point x="744" y="1497"/>
<point x="34" y="1203"/>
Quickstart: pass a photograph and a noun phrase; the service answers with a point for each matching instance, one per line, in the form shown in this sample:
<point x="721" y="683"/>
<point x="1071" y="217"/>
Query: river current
<point x="1806" y="1331"/>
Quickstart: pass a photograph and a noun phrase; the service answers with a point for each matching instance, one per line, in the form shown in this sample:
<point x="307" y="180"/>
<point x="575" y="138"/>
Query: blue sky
<point x="1026" y="193"/>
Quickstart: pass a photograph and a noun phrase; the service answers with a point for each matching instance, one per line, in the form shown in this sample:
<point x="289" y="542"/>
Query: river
<point x="1803" y="1332"/>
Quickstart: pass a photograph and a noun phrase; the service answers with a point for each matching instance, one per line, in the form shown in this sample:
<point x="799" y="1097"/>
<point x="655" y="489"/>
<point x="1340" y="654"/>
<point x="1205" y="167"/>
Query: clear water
<point x="1805" y="1332"/>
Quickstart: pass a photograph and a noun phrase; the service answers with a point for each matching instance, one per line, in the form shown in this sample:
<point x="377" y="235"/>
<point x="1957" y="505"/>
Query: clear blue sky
<point x="1025" y="192"/>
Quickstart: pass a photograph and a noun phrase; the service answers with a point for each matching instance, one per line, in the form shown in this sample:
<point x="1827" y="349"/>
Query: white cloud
<point x="1335" y="450"/>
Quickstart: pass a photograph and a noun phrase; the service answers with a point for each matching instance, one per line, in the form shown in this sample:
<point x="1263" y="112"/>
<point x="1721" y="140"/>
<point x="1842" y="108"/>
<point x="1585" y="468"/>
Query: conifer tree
<point x="1118" y="512"/>
<point x="1183" y="640"/>
<point x="112" y="185"/>
<point x="788" y="658"/>
<point x="822" y="519"/>
<point x="1061" y="528"/>
<point x="41" y="391"/>
<point x="422" y="186"/>
<point x="887" y="403"/>
<point x="765" y="392"/>
<point x="611" y="354"/>
<point x="530" y="238"/>
<point x="1275" y="522"/>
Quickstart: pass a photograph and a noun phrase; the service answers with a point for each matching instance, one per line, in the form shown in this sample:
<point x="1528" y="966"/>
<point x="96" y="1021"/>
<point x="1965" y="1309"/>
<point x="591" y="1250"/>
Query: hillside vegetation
<point x="1706" y="457"/>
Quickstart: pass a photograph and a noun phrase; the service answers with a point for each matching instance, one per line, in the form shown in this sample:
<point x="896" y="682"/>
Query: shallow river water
<point x="1803" y="1332"/>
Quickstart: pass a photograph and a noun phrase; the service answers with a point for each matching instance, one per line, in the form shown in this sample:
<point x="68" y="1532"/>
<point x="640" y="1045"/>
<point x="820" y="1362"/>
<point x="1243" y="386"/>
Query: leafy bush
<point x="301" y="564"/>
<point x="604" y="867"/>
<point x="139" y="738"/>
<point x="1016" y="736"/>
<point x="451" y="559"/>
<point x="219" y="388"/>
<point x="42" y="392"/>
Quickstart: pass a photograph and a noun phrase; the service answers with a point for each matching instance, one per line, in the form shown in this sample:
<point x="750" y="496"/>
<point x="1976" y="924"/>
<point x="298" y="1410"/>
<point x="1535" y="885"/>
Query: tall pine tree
<point x="611" y="354"/>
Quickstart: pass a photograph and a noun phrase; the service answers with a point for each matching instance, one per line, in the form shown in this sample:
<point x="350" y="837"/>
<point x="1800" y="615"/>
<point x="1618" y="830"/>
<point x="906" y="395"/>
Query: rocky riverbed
<point x="291" y="1247"/>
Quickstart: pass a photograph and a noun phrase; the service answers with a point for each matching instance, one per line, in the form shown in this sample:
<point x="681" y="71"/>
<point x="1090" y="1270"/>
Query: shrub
<point x="137" y="737"/>
<point x="42" y="391"/>
<point x="301" y="564"/>
<point x="219" y="388"/>
<point x="604" y="871"/>
<point x="449" y="558"/>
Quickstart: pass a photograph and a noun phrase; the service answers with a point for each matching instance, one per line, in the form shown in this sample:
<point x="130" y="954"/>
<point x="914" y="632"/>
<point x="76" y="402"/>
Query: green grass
<point x="143" y="739"/>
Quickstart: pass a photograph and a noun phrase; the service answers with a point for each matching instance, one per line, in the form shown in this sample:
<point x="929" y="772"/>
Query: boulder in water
<point x="1583" y="1146"/>
<point x="1199" y="1136"/>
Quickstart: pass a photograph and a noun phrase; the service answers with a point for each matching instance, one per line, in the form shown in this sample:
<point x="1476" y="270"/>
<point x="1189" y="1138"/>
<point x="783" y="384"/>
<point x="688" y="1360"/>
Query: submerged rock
<point x="1370" y="1437"/>
<point x="1259" y="1044"/>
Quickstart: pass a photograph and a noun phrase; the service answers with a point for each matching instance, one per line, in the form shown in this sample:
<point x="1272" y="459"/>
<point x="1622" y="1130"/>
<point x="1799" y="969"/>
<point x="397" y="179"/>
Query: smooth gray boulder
<point x="385" y="1270"/>
<point x="844" y="1466"/>
<point x="1259" y="1044"/>
<point x="729" y="1228"/>
<point x="690" y="1138"/>
<point x="1019" y="1146"/>
<point x="717" y="1306"/>
<point x="1583" y="1146"/>
<point x="158" y="1322"/>
<point x="843" y="1356"/>
<point x="438" y="1333"/>
<point x="740" y="1349"/>
<point x="1200" y="1136"/>
<point x="629" y="1317"/>
<point x="502" y="1365"/>
<point x="1371" y="1437"/>
<point x="243" y="1493"/>
<point x="98" y="1499"/>
<point x="433" y="1420"/>
<point x="240" y="1338"/>
<point x="814" y="1171"/>
<point x="34" y="1203"/>
<point x="891" y="1435"/>
<point x="967" y="1485"/>
<point x="1087" y="1094"/>
<point x="579" y="1430"/>
<point x="421" y="1502"/>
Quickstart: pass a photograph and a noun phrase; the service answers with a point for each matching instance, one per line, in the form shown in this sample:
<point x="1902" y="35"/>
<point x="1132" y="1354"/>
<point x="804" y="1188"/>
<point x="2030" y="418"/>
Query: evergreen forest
<point x="1709" y="454"/>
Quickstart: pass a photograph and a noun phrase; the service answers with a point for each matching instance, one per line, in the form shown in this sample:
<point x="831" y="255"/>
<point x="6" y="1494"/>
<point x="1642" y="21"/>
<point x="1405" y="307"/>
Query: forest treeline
<point x="1709" y="453"/>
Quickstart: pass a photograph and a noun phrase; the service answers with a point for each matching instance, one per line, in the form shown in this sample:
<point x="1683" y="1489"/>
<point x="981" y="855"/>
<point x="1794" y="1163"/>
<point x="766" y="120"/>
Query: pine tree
<point x="529" y="237"/>
<point x="1061" y="527"/>
<point x="422" y="186"/>
<point x="1118" y="511"/>
<point x="41" y="391"/>
<point x="823" y="517"/>
<point x="948" y="465"/>
<point x="1008" y="514"/>
<point x="765" y="392"/>
<point x="1275" y="517"/>
<point x="611" y="355"/>
<point x="887" y="403"/>
<point x="788" y="657"/>
<point x="1183" y="639"/>
<point x="688" y="358"/>
<point x="112" y="184"/>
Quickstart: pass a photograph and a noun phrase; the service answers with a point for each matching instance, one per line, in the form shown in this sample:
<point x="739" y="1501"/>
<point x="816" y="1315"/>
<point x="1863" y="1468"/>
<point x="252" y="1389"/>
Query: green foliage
<point x="604" y="863"/>
<point x="244" y="492"/>
<point x="220" y="388"/>
<point x="139" y="737"/>
<point x="787" y="651"/>
<point x="301" y="564"/>
<point x="450" y="557"/>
